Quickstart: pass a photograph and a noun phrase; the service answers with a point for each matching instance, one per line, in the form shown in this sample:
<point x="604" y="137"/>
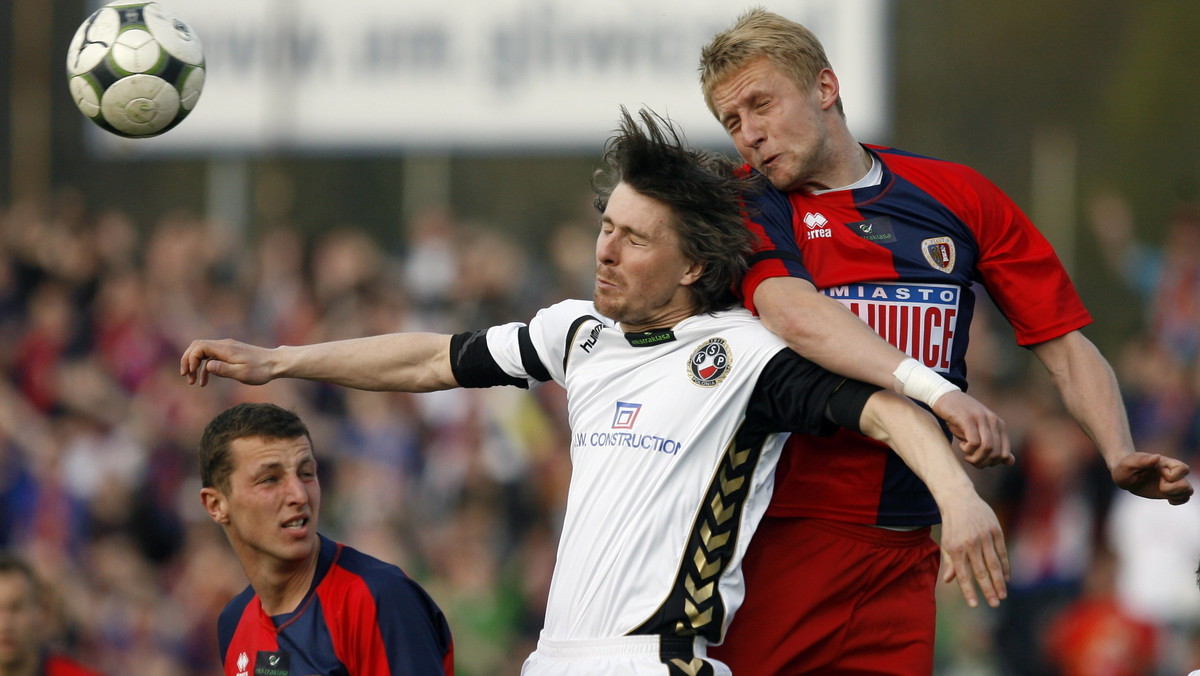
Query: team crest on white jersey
<point x="939" y="252"/>
<point x="710" y="363"/>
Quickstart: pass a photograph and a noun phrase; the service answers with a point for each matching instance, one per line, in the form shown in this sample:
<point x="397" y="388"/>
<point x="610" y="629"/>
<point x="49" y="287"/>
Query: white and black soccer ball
<point x="135" y="68"/>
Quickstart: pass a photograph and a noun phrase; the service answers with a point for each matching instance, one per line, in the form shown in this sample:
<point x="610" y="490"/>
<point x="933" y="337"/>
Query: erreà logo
<point x="710" y="363"/>
<point x="817" y="226"/>
<point x="815" y="220"/>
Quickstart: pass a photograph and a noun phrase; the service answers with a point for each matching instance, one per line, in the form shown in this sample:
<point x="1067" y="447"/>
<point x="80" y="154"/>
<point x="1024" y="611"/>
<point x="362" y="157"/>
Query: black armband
<point x="846" y="404"/>
<point x="473" y="365"/>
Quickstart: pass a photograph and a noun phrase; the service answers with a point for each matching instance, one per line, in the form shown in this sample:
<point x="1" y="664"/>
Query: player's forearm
<point x="915" y="436"/>
<point x="824" y="331"/>
<point x="401" y="362"/>
<point x="1089" y="390"/>
<point x="827" y="333"/>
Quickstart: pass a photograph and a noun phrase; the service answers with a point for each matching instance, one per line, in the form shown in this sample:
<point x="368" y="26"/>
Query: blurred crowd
<point x="464" y="489"/>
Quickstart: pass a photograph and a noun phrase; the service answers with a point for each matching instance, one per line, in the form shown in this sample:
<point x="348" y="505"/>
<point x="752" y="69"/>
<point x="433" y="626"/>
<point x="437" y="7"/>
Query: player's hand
<point x="979" y="433"/>
<point x="1151" y="475"/>
<point x="226" y="358"/>
<point x="973" y="551"/>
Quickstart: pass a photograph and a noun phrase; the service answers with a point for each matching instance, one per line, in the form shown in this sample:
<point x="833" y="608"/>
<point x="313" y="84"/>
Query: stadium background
<point x="111" y="258"/>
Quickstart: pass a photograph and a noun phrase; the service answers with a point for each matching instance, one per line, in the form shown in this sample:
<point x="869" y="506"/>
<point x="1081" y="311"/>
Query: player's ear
<point x="830" y="88"/>
<point x="215" y="504"/>
<point x="692" y="273"/>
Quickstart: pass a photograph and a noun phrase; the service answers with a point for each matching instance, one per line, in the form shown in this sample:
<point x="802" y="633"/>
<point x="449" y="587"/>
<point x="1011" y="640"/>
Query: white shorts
<point x="625" y="655"/>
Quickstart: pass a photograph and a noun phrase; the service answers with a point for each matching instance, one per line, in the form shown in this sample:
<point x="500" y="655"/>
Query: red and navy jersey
<point x="903" y="255"/>
<point x="362" y="616"/>
<point x="60" y="665"/>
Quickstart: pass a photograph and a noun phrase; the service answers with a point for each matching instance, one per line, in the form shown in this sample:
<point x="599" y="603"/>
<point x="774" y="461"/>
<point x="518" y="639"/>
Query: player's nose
<point x="606" y="250"/>
<point x="296" y="491"/>
<point x="751" y="133"/>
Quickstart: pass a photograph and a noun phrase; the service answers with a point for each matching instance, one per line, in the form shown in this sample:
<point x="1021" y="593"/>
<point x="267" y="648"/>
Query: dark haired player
<point x="314" y="606"/>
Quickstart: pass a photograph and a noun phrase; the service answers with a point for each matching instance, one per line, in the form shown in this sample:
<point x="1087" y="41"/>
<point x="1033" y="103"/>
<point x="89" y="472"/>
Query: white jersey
<point x="669" y="477"/>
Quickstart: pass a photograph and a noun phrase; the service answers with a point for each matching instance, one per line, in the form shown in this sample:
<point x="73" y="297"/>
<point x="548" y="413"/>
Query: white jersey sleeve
<point x="539" y="351"/>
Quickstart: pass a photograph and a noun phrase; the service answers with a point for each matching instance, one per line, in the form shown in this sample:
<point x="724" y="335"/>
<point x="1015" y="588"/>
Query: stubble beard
<point x="611" y="308"/>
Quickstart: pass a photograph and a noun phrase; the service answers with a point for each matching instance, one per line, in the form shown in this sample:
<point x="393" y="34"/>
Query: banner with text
<point x="481" y="75"/>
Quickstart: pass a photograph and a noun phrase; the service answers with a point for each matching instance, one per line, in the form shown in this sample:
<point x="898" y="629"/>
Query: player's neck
<point x="281" y="588"/>
<point x="851" y="163"/>
<point x="660" y="321"/>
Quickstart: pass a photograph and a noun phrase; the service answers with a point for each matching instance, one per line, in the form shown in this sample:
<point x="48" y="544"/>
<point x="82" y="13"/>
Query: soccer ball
<point x="135" y="68"/>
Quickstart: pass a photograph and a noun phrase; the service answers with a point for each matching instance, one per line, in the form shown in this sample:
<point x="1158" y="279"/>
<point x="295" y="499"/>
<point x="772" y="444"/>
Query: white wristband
<point x="921" y="382"/>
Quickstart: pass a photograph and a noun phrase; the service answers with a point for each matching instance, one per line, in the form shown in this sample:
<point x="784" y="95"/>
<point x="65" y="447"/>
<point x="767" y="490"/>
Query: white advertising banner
<point x="480" y="75"/>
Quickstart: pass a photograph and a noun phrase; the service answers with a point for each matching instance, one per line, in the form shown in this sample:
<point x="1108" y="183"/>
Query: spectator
<point x="24" y="648"/>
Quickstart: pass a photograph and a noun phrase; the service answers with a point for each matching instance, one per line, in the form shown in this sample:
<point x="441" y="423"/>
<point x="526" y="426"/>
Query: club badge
<point x="710" y="363"/>
<point x="939" y="253"/>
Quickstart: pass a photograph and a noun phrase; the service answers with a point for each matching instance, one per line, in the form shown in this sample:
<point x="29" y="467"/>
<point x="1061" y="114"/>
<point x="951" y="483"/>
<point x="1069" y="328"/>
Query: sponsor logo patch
<point x="921" y="320"/>
<point x="627" y="414"/>
<point x="648" y="338"/>
<point x="878" y="230"/>
<point x="271" y="663"/>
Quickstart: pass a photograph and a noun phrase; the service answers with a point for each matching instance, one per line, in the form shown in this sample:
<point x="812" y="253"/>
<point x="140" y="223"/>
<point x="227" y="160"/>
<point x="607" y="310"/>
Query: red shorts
<point x="830" y="598"/>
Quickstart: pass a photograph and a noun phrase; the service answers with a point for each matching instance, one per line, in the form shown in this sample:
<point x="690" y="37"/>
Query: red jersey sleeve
<point x="1022" y="273"/>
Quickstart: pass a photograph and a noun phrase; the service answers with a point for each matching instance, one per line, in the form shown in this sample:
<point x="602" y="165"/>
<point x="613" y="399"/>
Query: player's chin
<point x="607" y="305"/>
<point x="780" y="176"/>
<point x="298" y="548"/>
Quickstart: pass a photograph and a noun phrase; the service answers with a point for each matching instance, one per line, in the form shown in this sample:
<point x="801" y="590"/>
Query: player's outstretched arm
<point x="401" y="362"/>
<point x="1154" y="476"/>
<point x="823" y="330"/>
<point x="973" y="549"/>
<point x="1089" y="389"/>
